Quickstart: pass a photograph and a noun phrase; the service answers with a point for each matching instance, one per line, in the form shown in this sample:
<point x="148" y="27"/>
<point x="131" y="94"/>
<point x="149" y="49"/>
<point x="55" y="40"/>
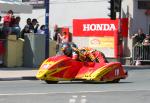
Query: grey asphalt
<point x="17" y="73"/>
<point x="25" y="73"/>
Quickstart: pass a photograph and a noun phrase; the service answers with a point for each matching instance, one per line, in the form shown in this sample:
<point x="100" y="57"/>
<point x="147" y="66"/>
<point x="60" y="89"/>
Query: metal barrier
<point x="141" y="53"/>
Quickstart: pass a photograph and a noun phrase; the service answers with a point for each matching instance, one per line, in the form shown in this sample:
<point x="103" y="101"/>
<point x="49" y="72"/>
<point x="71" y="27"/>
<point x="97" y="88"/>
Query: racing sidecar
<point x="64" y="68"/>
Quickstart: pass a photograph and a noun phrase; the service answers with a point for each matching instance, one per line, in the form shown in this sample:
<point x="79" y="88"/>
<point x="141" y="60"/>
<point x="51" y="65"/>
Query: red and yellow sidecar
<point x="63" y="68"/>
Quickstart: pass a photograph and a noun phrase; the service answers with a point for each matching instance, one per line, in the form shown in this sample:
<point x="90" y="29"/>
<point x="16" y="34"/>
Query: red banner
<point x="99" y="27"/>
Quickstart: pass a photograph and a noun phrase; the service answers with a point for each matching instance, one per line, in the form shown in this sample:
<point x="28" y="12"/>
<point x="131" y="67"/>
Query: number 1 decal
<point x="117" y="72"/>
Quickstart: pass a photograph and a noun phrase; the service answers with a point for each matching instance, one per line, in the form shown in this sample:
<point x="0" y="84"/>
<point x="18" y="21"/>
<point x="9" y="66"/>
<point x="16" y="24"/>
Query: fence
<point x="141" y="53"/>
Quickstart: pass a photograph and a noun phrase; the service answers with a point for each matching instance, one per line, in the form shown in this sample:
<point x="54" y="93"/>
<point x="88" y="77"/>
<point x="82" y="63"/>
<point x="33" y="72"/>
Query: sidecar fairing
<point x="63" y="68"/>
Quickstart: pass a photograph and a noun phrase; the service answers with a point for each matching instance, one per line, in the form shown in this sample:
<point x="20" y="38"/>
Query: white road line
<point x="17" y="94"/>
<point x="74" y="96"/>
<point x="83" y="100"/>
<point x="83" y="96"/>
<point x="79" y="92"/>
<point x="72" y="100"/>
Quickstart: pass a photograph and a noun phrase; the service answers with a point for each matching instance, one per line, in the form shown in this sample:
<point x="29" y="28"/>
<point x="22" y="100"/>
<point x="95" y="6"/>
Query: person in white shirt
<point x="41" y="30"/>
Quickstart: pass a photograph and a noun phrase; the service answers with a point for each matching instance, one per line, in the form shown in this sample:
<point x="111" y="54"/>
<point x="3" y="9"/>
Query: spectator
<point x="138" y="37"/>
<point x="6" y="30"/>
<point x="25" y="30"/>
<point x="16" y="27"/>
<point x="56" y="32"/>
<point x="28" y="21"/>
<point x="146" y="41"/>
<point x="41" y="30"/>
<point x="34" y="26"/>
<point x="9" y="17"/>
<point x="55" y="37"/>
<point x="63" y="37"/>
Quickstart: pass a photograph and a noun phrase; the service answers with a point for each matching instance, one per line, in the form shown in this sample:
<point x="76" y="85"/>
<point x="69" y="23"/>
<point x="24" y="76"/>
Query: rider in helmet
<point x="83" y="54"/>
<point x="76" y="53"/>
<point x="66" y="49"/>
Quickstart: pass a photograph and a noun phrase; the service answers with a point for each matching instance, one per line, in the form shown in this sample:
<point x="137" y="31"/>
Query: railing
<point x="141" y="53"/>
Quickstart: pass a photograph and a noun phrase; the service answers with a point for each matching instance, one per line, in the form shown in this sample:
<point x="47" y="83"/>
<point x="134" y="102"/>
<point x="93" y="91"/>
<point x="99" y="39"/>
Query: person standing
<point x="138" y="37"/>
<point x="137" y="40"/>
<point x="24" y="30"/>
<point x="41" y="30"/>
<point x="34" y="26"/>
<point x="16" y="29"/>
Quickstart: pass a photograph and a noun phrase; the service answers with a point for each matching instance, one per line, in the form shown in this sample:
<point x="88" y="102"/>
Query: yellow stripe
<point x="59" y="69"/>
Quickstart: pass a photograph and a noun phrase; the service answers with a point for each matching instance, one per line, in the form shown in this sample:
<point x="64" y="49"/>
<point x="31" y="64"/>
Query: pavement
<point x="25" y="73"/>
<point x="18" y="73"/>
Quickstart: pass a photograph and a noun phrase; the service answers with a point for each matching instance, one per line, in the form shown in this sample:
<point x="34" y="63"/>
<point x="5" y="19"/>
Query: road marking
<point x="72" y="100"/>
<point x="79" y="92"/>
<point x="74" y="96"/>
<point x="83" y="96"/>
<point x="83" y="100"/>
<point x="17" y="94"/>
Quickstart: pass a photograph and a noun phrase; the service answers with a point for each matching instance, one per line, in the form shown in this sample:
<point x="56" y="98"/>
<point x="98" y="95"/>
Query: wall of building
<point x="137" y="19"/>
<point x="62" y="12"/>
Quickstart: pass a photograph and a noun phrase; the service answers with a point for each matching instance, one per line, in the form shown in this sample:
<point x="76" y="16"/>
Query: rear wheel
<point x="114" y="81"/>
<point x="51" y="82"/>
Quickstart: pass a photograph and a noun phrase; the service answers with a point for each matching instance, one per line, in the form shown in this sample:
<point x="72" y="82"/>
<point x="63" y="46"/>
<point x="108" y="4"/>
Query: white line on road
<point x="79" y="92"/>
<point x="74" y="96"/>
<point x="72" y="100"/>
<point x="83" y="96"/>
<point x="83" y="100"/>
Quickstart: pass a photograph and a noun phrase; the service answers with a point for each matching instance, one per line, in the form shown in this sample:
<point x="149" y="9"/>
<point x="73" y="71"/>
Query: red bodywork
<point x="64" y="68"/>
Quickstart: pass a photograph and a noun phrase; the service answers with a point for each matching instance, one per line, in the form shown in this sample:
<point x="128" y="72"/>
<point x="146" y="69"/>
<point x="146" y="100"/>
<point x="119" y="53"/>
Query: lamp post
<point x="47" y="28"/>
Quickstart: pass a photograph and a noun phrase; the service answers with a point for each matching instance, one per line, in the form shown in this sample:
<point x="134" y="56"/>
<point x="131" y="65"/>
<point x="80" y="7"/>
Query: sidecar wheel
<point x="115" y="81"/>
<point x="51" y="82"/>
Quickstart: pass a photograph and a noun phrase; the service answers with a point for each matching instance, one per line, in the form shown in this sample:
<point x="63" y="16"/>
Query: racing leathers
<point x="88" y="54"/>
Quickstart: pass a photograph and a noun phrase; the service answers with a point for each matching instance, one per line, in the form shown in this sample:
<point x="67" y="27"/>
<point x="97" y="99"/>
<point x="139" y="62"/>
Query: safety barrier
<point x="141" y="53"/>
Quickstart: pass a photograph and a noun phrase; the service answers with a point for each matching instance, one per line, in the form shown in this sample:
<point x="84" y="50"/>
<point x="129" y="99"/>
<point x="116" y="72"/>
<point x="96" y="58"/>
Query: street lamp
<point x="47" y="28"/>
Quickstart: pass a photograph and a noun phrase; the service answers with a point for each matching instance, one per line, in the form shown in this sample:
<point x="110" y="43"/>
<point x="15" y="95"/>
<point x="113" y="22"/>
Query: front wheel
<point x="51" y="82"/>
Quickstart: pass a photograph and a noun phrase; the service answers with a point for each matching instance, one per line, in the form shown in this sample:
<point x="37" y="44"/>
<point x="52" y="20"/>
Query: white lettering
<point x="112" y="27"/>
<point x="99" y="27"/>
<point x="92" y="27"/>
<point x="86" y="27"/>
<point x="106" y="27"/>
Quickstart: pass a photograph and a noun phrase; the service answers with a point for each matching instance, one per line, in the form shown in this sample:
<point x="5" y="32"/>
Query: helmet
<point x="73" y="45"/>
<point x="66" y="49"/>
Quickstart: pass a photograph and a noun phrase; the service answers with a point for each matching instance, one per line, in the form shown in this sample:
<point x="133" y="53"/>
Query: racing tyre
<point x="51" y="82"/>
<point x="115" y="81"/>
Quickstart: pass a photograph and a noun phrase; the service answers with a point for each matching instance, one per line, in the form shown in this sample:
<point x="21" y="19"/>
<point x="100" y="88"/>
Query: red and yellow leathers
<point x="84" y="54"/>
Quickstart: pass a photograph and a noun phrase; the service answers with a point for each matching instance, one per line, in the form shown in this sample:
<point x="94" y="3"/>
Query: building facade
<point x="62" y="13"/>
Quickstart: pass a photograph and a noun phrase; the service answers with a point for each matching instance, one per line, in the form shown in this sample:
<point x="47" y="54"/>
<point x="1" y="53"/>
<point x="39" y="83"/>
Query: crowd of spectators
<point x="10" y="25"/>
<point x="142" y="41"/>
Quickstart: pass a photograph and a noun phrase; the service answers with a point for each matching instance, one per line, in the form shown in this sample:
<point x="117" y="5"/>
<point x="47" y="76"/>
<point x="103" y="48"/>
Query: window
<point x="37" y="4"/>
<point x="143" y="4"/>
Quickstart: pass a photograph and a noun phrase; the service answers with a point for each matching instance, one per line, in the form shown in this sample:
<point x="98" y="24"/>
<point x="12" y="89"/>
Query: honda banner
<point x="102" y="32"/>
<point x="99" y="27"/>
